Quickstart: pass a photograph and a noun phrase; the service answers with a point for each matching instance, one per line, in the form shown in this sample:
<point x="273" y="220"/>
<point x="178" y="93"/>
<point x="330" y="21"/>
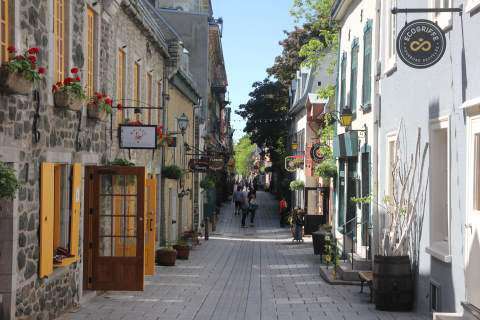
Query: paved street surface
<point x="252" y="273"/>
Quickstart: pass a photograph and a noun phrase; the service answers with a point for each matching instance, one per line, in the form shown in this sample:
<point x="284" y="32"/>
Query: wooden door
<point x="114" y="229"/>
<point x="472" y="226"/>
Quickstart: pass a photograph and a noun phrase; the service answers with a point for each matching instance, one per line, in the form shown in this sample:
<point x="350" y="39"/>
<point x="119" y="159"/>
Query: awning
<point x="345" y="145"/>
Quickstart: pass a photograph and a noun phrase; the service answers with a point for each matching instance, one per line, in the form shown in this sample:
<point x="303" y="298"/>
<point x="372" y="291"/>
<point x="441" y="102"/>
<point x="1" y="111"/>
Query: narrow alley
<point x="252" y="273"/>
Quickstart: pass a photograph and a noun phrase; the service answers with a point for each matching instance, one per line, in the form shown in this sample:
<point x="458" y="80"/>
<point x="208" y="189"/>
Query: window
<point x="434" y="297"/>
<point x="59" y="39"/>
<point x="444" y="19"/>
<point x="121" y="60"/>
<point x="149" y="97"/>
<point x="4" y="29"/>
<point x="439" y="189"/>
<point x="476" y="174"/>
<point x="136" y="84"/>
<point x="159" y="101"/>
<point x="391" y="35"/>
<point x="59" y="215"/>
<point x="367" y="65"/>
<point x="389" y="175"/>
<point x="354" y="76"/>
<point x="91" y="33"/>
<point x="343" y="81"/>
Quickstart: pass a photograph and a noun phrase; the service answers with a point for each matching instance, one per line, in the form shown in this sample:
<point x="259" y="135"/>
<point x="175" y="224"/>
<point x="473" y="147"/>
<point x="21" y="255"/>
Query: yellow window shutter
<point x="76" y="205"/>
<point x="47" y="191"/>
<point x="151" y="213"/>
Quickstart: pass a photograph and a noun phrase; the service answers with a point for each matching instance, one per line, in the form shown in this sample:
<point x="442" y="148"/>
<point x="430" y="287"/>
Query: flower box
<point x="65" y="99"/>
<point x="94" y="112"/>
<point x="14" y="82"/>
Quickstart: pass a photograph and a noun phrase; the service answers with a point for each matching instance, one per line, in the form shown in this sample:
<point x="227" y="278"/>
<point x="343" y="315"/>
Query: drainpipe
<point x="376" y="229"/>
<point x="165" y="98"/>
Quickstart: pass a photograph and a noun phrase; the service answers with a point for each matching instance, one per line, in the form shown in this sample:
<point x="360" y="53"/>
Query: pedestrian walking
<point x="282" y="211"/>
<point x="237" y="198"/>
<point x="298" y="223"/>
<point x="252" y="208"/>
<point x="244" y="205"/>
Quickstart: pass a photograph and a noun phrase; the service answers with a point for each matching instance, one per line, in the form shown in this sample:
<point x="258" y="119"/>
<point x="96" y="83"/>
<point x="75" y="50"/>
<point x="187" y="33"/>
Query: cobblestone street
<point x="252" y="273"/>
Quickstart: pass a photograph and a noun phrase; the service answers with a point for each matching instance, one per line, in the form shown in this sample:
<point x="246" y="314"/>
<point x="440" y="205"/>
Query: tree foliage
<point x="243" y="155"/>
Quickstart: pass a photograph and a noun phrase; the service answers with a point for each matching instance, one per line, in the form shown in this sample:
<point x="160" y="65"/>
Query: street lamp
<point x="183" y="123"/>
<point x="346" y="117"/>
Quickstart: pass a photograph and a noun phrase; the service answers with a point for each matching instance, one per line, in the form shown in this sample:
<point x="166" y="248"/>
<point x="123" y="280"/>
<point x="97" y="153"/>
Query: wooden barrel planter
<point x="393" y="283"/>
<point x="183" y="251"/>
<point x="166" y="257"/>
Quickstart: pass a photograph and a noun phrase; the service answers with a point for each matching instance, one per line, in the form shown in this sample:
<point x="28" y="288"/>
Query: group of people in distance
<point x="245" y="203"/>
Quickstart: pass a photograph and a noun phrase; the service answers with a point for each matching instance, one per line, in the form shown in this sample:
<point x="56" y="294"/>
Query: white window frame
<point x="437" y="248"/>
<point x="391" y="137"/>
<point x="472" y="5"/>
<point x="390" y="27"/>
<point x="443" y="19"/>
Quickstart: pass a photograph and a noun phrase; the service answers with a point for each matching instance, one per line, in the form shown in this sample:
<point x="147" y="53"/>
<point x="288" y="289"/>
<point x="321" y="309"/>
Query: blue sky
<point x="252" y="29"/>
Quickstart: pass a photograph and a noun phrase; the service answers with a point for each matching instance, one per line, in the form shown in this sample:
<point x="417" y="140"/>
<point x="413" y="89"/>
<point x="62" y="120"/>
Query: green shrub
<point x="8" y="182"/>
<point x="297" y="185"/>
<point x="207" y="183"/>
<point x="327" y="169"/>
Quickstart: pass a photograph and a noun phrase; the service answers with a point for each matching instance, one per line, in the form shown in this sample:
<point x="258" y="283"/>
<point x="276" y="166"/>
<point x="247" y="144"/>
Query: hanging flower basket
<point x="69" y="93"/>
<point x="172" y="172"/>
<point x="19" y="73"/>
<point x="99" y="107"/>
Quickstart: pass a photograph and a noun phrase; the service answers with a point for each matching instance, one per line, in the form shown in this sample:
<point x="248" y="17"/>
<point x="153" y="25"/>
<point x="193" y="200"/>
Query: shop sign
<point x="138" y="137"/>
<point x="316" y="154"/>
<point x="216" y="164"/>
<point x="293" y="163"/>
<point x="421" y="44"/>
<point x="198" y="165"/>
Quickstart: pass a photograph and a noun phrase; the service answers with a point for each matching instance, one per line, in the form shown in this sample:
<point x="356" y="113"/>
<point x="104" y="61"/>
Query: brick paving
<point x="252" y="273"/>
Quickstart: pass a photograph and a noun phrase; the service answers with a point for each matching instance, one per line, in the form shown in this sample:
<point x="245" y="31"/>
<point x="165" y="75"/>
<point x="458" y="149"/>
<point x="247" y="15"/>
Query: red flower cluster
<point x="120" y="107"/>
<point x="30" y="55"/>
<point x="67" y="81"/>
<point x="159" y="131"/>
<point x="102" y="97"/>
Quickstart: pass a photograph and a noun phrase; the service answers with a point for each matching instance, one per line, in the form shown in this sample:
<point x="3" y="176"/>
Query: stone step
<point x="345" y="272"/>
<point x="360" y="263"/>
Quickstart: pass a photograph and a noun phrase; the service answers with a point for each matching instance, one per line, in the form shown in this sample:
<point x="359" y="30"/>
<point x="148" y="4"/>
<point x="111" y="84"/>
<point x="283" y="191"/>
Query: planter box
<point x="165" y="257"/>
<point x="93" y="112"/>
<point x="14" y="83"/>
<point x="63" y="99"/>
<point x="183" y="251"/>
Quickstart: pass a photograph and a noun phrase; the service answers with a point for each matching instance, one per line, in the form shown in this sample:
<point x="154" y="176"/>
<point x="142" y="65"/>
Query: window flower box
<point x="69" y="93"/>
<point x="99" y="107"/>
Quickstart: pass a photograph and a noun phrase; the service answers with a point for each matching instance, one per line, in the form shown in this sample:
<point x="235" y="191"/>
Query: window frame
<point x="391" y="138"/>
<point x="149" y="95"/>
<point x="5" y="6"/>
<point x="343" y="81"/>
<point x="91" y="53"/>
<point x="60" y="38"/>
<point x="136" y="85"/>
<point x="390" y="45"/>
<point x="159" y="101"/>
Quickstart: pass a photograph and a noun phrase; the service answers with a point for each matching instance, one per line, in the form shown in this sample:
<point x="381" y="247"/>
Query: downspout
<point x="376" y="229"/>
<point x="162" y="215"/>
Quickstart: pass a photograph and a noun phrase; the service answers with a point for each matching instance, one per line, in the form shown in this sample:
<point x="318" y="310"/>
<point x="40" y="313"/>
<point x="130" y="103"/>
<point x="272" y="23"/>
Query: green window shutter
<point x="367" y="64"/>
<point x="354" y="76"/>
<point x="343" y="81"/>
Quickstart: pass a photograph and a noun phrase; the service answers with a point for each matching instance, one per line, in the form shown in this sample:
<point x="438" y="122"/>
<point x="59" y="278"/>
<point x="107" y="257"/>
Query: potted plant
<point x="166" y="256"/>
<point x="69" y="93"/>
<point x="173" y="172"/>
<point x="208" y="182"/>
<point x="99" y="107"/>
<point x="183" y="249"/>
<point x="327" y="169"/>
<point x="396" y="264"/>
<point x="121" y="162"/>
<point x="318" y="239"/>
<point x="297" y="185"/>
<point x="20" y="72"/>
<point x="8" y="182"/>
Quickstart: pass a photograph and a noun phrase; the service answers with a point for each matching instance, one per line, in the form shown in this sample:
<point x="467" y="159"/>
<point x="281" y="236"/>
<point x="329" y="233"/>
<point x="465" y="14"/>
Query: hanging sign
<point x="216" y="164"/>
<point x="138" y="137"/>
<point x="316" y="154"/>
<point x="421" y="44"/>
<point x="292" y="163"/>
<point x="198" y="165"/>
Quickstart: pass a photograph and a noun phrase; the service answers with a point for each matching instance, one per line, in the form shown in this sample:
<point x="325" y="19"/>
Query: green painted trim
<point x="355" y="42"/>
<point x="368" y="25"/>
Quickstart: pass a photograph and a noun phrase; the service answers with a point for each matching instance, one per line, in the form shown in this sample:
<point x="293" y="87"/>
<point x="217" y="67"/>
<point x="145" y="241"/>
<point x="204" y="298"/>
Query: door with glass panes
<point x="115" y="199"/>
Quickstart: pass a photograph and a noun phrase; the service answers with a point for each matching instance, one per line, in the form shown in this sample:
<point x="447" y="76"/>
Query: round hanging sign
<point x="421" y="44"/>
<point x="316" y="154"/>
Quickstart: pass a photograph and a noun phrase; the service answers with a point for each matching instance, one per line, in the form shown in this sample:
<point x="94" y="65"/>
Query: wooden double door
<point x="115" y="225"/>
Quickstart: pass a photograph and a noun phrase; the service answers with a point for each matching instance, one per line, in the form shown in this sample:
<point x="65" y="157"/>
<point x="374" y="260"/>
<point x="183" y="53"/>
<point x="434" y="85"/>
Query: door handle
<point x="150" y="227"/>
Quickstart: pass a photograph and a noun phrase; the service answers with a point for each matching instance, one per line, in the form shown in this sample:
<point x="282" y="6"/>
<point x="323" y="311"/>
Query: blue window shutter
<point x="354" y="76"/>
<point x="343" y="81"/>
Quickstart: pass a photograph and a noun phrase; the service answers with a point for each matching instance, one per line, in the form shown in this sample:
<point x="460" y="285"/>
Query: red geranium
<point x="108" y="101"/>
<point x="74" y="70"/>
<point x="33" y="50"/>
<point x="119" y="106"/>
<point x="67" y="81"/>
<point x="98" y="95"/>
<point x="159" y="130"/>
<point x="12" y="49"/>
<point x="77" y="79"/>
<point x="41" y="70"/>
<point x="20" y="58"/>
<point x="32" y="59"/>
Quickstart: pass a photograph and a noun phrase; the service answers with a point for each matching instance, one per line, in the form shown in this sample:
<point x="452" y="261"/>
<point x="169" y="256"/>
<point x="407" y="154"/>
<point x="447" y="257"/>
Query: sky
<point x="252" y="30"/>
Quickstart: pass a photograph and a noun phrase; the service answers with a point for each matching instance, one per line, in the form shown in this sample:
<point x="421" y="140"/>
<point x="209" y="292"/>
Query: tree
<point x="266" y="115"/>
<point x="243" y="155"/>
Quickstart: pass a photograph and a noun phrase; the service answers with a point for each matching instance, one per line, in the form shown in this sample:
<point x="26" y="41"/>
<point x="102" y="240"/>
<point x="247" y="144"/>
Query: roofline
<point x="339" y="9"/>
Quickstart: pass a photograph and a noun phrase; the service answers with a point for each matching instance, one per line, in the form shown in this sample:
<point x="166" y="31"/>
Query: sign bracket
<point x="427" y="10"/>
